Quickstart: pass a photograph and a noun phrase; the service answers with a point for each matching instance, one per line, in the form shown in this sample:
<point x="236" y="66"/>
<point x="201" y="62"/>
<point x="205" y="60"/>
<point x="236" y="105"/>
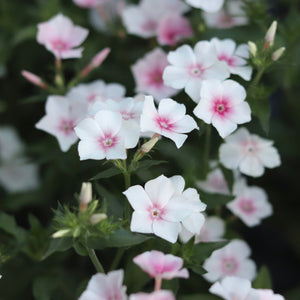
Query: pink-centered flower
<point x="160" y="265"/>
<point x="168" y="120"/>
<point x="173" y="29"/>
<point x="223" y="105"/>
<point x="232" y="16"/>
<point x="190" y="67"/>
<point x="159" y="208"/>
<point x="62" y="115"/>
<point x="105" y="287"/>
<point x="231" y="260"/>
<point x="147" y="73"/>
<point x="251" y="203"/>
<point x="159" y="295"/>
<point x="207" y="5"/>
<point x="234" y="288"/>
<point x="60" y="36"/>
<point x="235" y="57"/>
<point x="104" y="136"/>
<point x="248" y="153"/>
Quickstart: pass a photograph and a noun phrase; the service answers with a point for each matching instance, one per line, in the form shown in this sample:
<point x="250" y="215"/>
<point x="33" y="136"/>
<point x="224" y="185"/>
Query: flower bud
<point x="85" y="196"/>
<point x="278" y="53"/>
<point x="96" y="218"/>
<point x="100" y="57"/>
<point x="270" y="35"/>
<point x="150" y="144"/>
<point x="34" y="79"/>
<point x="60" y="233"/>
<point x="252" y="48"/>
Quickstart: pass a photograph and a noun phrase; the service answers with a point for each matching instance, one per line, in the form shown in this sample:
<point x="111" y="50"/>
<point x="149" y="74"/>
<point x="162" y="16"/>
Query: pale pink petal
<point x="193" y="88"/>
<point x="251" y="166"/>
<point x="247" y="270"/>
<point x="108" y="121"/>
<point x="159" y="295"/>
<point x="224" y="126"/>
<point x="175" y="77"/>
<point x="170" y="108"/>
<point x="141" y="222"/>
<point x="235" y="92"/>
<point x="117" y="151"/>
<point x="177" y="138"/>
<point x="230" y="155"/>
<point x="206" y="54"/>
<point x="138" y="198"/>
<point x="182" y="56"/>
<point x="240" y="114"/>
<point x="194" y="223"/>
<point x="166" y="230"/>
<point x="178" y="183"/>
<point x="204" y="110"/>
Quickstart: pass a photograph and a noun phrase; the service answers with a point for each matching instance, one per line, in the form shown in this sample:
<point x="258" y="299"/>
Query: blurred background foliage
<point x="63" y="275"/>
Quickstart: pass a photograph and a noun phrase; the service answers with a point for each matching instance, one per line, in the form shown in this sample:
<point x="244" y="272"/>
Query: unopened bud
<point x="278" y="53"/>
<point x="60" y="233"/>
<point x="85" y="196"/>
<point x="100" y="57"/>
<point x="34" y="79"/>
<point x="270" y="35"/>
<point x="252" y="48"/>
<point x="96" y="218"/>
<point x="150" y="144"/>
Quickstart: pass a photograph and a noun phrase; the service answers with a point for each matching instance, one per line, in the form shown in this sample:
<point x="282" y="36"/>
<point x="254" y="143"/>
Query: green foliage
<point x="215" y="200"/>
<point x="263" y="279"/>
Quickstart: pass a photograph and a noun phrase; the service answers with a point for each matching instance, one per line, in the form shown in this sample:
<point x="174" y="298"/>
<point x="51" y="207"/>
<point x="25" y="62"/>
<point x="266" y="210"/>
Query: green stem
<point x="117" y="259"/>
<point x="95" y="260"/>
<point x="258" y="77"/>
<point x="127" y="180"/>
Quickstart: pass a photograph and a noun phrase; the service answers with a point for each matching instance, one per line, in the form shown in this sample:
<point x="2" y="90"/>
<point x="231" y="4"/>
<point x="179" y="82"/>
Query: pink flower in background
<point x="232" y="16"/>
<point x="104" y="136"/>
<point x="147" y="73"/>
<point x="248" y="153"/>
<point x="222" y="105"/>
<point x="235" y="57"/>
<point x="88" y="3"/>
<point x="234" y="288"/>
<point x="169" y="120"/>
<point x="60" y="36"/>
<point x="190" y="67"/>
<point x="105" y="287"/>
<point x="160" y="265"/>
<point x="268" y="295"/>
<point x="212" y="230"/>
<point x="231" y="260"/>
<point x="251" y="203"/>
<point x="89" y="93"/>
<point x="173" y="29"/>
<point x="62" y="115"/>
<point x="159" y="295"/>
<point x="207" y="5"/>
<point x="158" y="208"/>
<point x="143" y="19"/>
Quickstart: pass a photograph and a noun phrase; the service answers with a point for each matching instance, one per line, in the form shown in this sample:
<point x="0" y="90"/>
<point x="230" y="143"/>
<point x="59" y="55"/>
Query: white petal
<point x="204" y="111"/>
<point x="194" y="223"/>
<point x="138" y="198"/>
<point x="175" y="77"/>
<point x="166" y="230"/>
<point x="108" y="121"/>
<point x="182" y="57"/>
<point x="177" y="138"/>
<point x="240" y="113"/>
<point x="251" y="166"/>
<point x="117" y="151"/>
<point x="269" y="156"/>
<point x="88" y="129"/>
<point x="141" y="222"/>
<point x="223" y="125"/>
<point x="186" y="124"/>
<point x="178" y="183"/>
<point x="193" y="88"/>
<point x="172" y="109"/>
<point x="90" y="149"/>
<point x="130" y="132"/>
<point x="234" y="92"/>
<point x="230" y="155"/>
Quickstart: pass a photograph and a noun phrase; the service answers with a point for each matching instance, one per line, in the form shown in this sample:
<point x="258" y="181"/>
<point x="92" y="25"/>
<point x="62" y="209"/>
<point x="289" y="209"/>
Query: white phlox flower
<point x="207" y="5"/>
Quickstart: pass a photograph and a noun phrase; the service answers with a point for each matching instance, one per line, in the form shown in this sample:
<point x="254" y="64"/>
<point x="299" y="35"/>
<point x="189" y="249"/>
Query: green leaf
<point x="107" y="173"/>
<point x="263" y="279"/>
<point x="214" y="200"/>
<point x="43" y="287"/>
<point x="145" y="164"/>
<point x="172" y="285"/>
<point x="198" y="269"/>
<point x="58" y="245"/>
<point x="79" y="248"/>
<point x="198" y="297"/>
<point x="228" y="175"/>
<point x="120" y="238"/>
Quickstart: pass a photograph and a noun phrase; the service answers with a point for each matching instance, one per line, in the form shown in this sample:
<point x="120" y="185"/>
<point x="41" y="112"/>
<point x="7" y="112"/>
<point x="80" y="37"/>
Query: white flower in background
<point x="251" y="203"/>
<point x="105" y="136"/>
<point x="158" y="208"/>
<point x="235" y="57"/>
<point x="10" y="144"/>
<point x="60" y="36"/>
<point x="159" y="295"/>
<point x="169" y="120"/>
<point x="207" y="5"/>
<point x="147" y="72"/>
<point x="62" y="115"/>
<point x="248" y="153"/>
<point x="143" y="19"/>
<point x="88" y="3"/>
<point x="231" y="260"/>
<point x="223" y="105"/>
<point x="190" y="67"/>
<point x="105" y="287"/>
<point x="232" y="16"/>
<point x="212" y="230"/>
<point x="268" y="295"/>
<point x="89" y="93"/>
<point x="215" y="182"/>
<point x="234" y="288"/>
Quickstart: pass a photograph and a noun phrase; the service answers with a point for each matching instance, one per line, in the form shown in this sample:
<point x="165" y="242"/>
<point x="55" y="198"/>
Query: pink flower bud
<point x="278" y="53"/>
<point x="85" y="196"/>
<point x="100" y="57"/>
<point x="34" y="79"/>
<point x="270" y="35"/>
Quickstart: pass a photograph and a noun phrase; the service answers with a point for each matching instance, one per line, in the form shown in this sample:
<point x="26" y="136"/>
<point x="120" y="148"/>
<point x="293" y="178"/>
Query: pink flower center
<point x="91" y="98"/>
<point x="155" y="212"/>
<point x="196" y="71"/>
<point x="247" y="206"/>
<point x="218" y="184"/>
<point x="221" y="107"/>
<point x="154" y="78"/>
<point x="229" y="266"/>
<point x="250" y="148"/>
<point x="108" y="141"/>
<point x="127" y="115"/>
<point x="231" y="61"/>
<point x="165" y="123"/>
<point x="59" y="45"/>
<point x="66" y="127"/>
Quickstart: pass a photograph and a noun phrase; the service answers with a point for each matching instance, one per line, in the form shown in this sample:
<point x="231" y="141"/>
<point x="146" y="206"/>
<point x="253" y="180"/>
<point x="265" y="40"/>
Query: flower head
<point x="249" y="153"/>
<point x="60" y="36"/>
<point x="105" y="287"/>
<point x="231" y="260"/>
<point x="160" y="265"/>
<point x="190" y="67"/>
<point x="222" y="105"/>
<point x="207" y="5"/>
<point x="169" y="120"/>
